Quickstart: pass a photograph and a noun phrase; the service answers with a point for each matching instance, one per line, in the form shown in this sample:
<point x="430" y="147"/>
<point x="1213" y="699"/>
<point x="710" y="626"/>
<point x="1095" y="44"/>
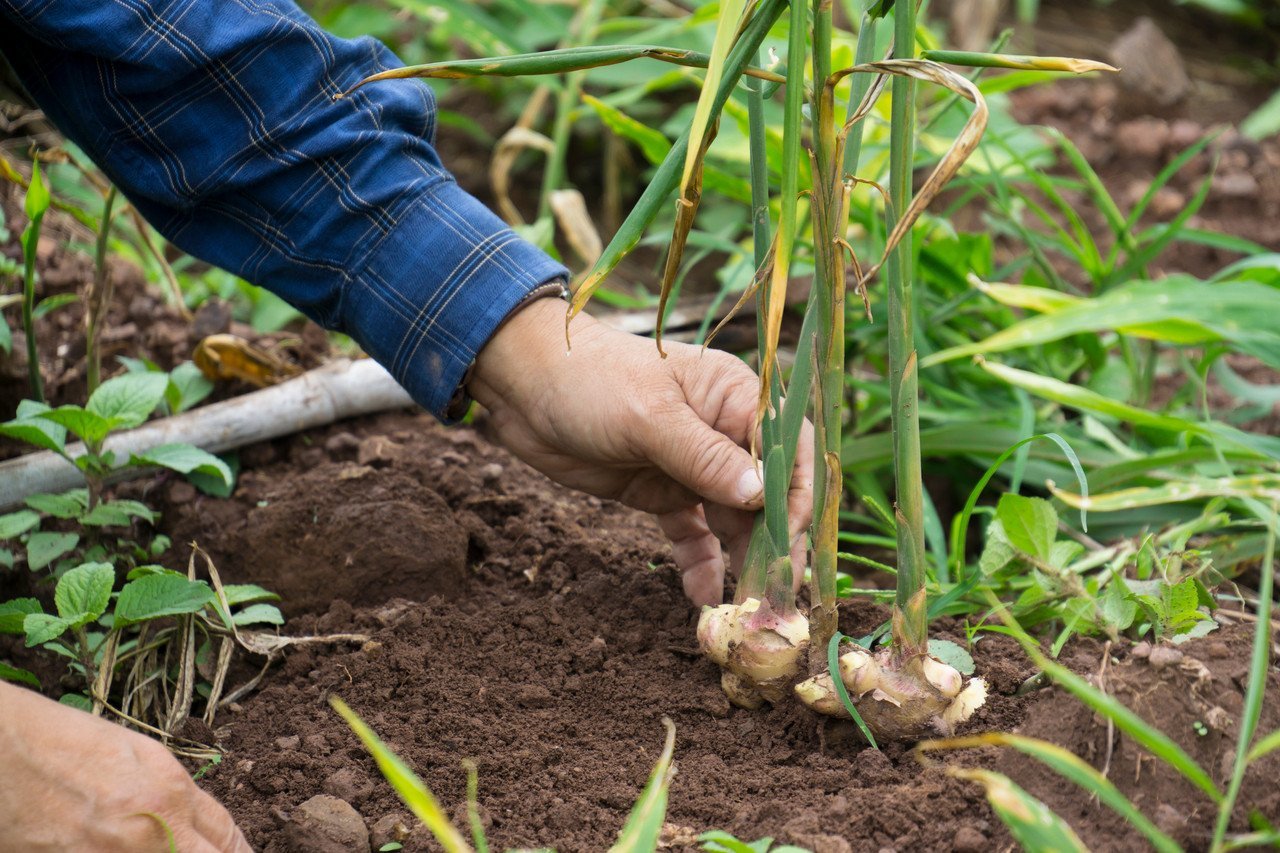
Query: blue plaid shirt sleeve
<point x="216" y="119"/>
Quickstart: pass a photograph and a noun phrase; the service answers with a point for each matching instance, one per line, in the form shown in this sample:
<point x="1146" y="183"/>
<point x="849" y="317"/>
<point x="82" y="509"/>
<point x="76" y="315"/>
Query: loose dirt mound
<point x="553" y="667"/>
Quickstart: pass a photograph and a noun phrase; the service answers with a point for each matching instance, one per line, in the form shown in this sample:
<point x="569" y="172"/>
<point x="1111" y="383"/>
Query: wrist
<point x="529" y="343"/>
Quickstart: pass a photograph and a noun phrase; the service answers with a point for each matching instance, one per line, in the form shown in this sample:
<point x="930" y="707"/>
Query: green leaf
<point x="952" y="654"/>
<point x="43" y="548"/>
<point x="1032" y="824"/>
<point x="76" y="700"/>
<point x="1116" y="605"/>
<point x="35" y="430"/>
<point x="6" y="558"/>
<point x="1031" y="524"/>
<point x="119" y="514"/>
<point x="20" y="676"/>
<point x="126" y="401"/>
<point x="412" y="790"/>
<point x="66" y="505"/>
<point x="188" y="386"/>
<point x="18" y="523"/>
<point x="83" y="593"/>
<point x="14" y="611"/>
<point x="38" y="198"/>
<point x="184" y="459"/>
<point x="40" y="628"/>
<point x="154" y="596"/>
<point x="52" y="303"/>
<point x="90" y="427"/>
<point x="644" y="824"/>
<point x="244" y="593"/>
<point x="997" y="552"/>
<point x="259" y="614"/>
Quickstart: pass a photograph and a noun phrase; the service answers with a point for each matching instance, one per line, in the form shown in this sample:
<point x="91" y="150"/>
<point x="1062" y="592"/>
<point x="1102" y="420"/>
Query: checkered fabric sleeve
<point x="216" y="119"/>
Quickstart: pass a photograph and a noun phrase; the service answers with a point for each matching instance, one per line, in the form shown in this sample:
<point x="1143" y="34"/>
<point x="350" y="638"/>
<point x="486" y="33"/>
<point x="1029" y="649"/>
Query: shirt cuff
<point x="432" y="292"/>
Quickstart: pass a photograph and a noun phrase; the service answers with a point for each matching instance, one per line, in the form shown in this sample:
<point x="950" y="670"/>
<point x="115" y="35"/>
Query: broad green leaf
<point x="89" y="426"/>
<point x="153" y="596"/>
<point x="1116" y="606"/>
<point x="18" y="523"/>
<point x="997" y="552"/>
<point x="119" y="513"/>
<point x="651" y="142"/>
<point x="1179" y="309"/>
<point x="66" y="505"/>
<point x="644" y="825"/>
<point x="40" y="628"/>
<point x="412" y="790"/>
<point x="259" y="614"/>
<point x="1031" y="524"/>
<point x="126" y="401"/>
<point x="43" y="548"/>
<point x="188" y="386"/>
<point x="35" y="430"/>
<point x="1074" y="770"/>
<point x="83" y="593"/>
<point x="184" y="459"/>
<point x="244" y="593"/>
<point x="14" y="612"/>
<point x="1032" y="824"/>
<point x="19" y="676"/>
<point x="6" y="558"/>
<point x="952" y="654"/>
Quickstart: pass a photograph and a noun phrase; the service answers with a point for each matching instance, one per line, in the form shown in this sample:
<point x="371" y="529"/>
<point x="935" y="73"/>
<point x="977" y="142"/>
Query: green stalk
<point x="566" y="101"/>
<point x="910" y="618"/>
<point x="100" y="297"/>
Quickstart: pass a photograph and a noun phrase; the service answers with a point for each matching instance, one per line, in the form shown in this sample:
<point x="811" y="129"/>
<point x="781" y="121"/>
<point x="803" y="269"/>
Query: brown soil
<point x="550" y="652"/>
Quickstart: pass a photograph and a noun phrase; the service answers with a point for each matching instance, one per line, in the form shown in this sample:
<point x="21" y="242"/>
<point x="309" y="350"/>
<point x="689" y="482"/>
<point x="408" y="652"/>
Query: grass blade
<point x="644" y="824"/>
<point x="1032" y="824"/>
<point x="974" y="59"/>
<point x="1267" y="745"/>
<point x="1258" y="666"/>
<point x="410" y="788"/>
<point x="1265" y="486"/>
<point x="1154" y="740"/>
<point x="833" y="669"/>
<point x="1069" y="767"/>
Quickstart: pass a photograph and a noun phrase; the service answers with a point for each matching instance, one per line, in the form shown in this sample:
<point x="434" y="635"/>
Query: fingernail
<point x="750" y="486"/>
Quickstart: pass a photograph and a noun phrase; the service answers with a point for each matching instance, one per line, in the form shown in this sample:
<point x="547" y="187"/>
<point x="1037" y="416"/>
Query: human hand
<point x="73" y="781"/>
<point x="614" y="419"/>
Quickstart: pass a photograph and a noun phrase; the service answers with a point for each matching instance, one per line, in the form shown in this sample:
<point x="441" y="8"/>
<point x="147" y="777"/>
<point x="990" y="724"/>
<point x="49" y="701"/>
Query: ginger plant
<point x="761" y="639"/>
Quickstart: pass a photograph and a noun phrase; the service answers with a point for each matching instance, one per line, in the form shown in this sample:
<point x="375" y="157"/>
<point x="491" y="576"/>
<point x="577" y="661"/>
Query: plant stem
<point x="30" y="239"/>
<point x="99" y="296"/>
<point x="910" y="622"/>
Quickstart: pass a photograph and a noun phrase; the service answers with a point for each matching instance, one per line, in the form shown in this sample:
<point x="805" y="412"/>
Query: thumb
<point x="708" y="463"/>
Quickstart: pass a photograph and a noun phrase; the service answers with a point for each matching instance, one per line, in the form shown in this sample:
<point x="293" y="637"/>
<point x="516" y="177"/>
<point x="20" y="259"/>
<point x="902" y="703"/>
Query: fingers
<point x="217" y="828"/>
<point x="707" y="462"/>
<point x="697" y="553"/>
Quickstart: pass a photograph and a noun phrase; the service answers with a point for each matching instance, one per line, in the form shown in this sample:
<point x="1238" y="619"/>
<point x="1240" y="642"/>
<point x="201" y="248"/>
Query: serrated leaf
<point x="20" y="676"/>
<point x="1182" y="598"/>
<point x="1062" y="553"/>
<point x="89" y="426"/>
<point x="40" y="628"/>
<point x="155" y="596"/>
<point x="1117" y="606"/>
<point x="953" y="655"/>
<point x="188" y="386"/>
<point x="126" y="401"/>
<point x="184" y="459"/>
<point x="66" y="505"/>
<point x="13" y="613"/>
<point x="82" y="593"/>
<point x="43" y="548"/>
<point x="244" y="593"/>
<point x="259" y="614"/>
<point x="147" y="571"/>
<point x="18" y="523"/>
<point x="996" y="552"/>
<point x="119" y="513"/>
<point x="1031" y="524"/>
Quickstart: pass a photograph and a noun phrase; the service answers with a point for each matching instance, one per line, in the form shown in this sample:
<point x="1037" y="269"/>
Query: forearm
<point x="216" y="120"/>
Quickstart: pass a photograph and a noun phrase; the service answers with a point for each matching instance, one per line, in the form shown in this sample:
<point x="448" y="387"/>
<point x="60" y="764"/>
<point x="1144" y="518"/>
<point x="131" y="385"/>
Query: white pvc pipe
<point x="341" y="389"/>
